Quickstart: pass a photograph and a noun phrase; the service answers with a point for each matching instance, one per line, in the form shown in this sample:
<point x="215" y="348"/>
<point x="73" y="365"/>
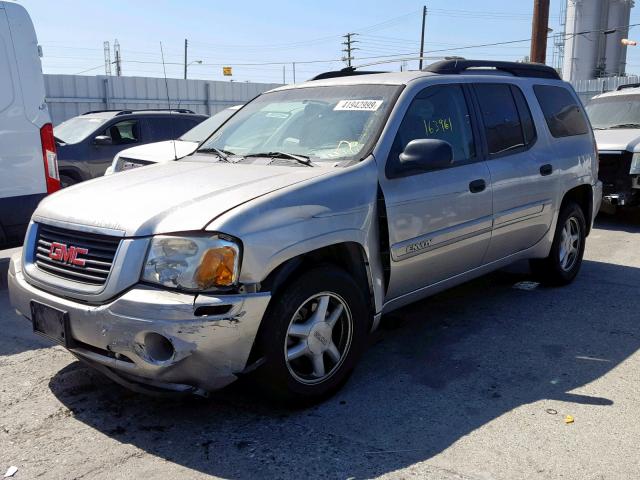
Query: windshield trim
<point x="371" y="143"/>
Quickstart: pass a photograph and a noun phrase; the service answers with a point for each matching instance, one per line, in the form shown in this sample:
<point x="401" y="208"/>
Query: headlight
<point x="195" y="263"/>
<point x="635" y="164"/>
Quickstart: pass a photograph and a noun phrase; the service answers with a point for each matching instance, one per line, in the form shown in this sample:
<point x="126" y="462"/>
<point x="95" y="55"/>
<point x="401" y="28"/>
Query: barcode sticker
<point x="359" y="105"/>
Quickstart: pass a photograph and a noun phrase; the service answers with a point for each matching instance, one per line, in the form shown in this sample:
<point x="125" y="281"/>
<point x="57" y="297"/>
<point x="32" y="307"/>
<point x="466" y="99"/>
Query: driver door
<point x="439" y="221"/>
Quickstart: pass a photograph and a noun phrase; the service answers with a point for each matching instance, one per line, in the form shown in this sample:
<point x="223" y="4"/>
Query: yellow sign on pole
<point x="226" y="71"/>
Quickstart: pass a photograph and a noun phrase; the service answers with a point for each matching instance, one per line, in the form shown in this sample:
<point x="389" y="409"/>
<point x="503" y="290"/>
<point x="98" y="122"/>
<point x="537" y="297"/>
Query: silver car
<point x="275" y="249"/>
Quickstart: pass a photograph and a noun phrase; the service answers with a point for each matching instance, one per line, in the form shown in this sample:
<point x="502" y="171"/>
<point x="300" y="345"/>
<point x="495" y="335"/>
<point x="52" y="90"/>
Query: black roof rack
<point x="129" y="111"/>
<point x="345" y="72"/>
<point x="628" y="85"/>
<point x="456" y="66"/>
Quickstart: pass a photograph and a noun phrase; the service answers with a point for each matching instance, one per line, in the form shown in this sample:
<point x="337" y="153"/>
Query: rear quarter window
<point x="562" y="112"/>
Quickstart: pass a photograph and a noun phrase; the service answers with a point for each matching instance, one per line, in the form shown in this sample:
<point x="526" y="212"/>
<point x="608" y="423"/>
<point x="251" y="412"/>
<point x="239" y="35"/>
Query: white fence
<point x="589" y="88"/>
<point x="71" y="95"/>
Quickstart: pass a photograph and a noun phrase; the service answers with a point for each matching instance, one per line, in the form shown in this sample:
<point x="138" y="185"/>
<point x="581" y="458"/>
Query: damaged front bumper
<point x="151" y="339"/>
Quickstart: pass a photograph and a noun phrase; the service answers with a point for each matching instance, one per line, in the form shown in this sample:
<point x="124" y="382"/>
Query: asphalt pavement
<point x="474" y="383"/>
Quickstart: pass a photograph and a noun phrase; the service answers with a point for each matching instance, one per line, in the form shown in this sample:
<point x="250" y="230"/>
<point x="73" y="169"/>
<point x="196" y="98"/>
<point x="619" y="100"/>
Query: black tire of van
<point x="550" y="271"/>
<point x="280" y="377"/>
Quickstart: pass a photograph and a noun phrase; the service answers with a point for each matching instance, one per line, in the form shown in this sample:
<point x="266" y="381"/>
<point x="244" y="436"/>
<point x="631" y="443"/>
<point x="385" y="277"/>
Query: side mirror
<point x="102" y="140"/>
<point x="426" y="154"/>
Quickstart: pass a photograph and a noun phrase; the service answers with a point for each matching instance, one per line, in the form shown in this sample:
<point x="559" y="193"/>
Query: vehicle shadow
<point x="452" y="364"/>
<point x="18" y="334"/>
<point x="627" y="220"/>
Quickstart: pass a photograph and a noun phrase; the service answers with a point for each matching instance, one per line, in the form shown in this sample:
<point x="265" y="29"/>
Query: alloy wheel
<point x="318" y="338"/>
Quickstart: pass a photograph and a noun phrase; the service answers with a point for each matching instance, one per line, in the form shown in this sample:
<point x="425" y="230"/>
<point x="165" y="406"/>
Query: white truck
<point x="28" y="161"/>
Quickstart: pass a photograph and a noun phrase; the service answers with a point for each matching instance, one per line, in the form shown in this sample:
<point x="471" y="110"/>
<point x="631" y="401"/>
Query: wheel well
<point x="72" y="173"/>
<point x="583" y="196"/>
<point x="349" y="256"/>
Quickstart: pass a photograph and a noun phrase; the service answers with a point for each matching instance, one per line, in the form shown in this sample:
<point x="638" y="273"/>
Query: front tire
<point x="565" y="258"/>
<point x="312" y="336"/>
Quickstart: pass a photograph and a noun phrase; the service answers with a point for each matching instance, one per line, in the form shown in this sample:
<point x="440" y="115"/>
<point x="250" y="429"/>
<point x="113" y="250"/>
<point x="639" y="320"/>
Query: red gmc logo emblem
<point x="67" y="254"/>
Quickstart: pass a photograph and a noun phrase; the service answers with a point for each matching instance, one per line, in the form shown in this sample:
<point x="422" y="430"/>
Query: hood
<point x="168" y="197"/>
<point x="618" y="139"/>
<point x="160" y="151"/>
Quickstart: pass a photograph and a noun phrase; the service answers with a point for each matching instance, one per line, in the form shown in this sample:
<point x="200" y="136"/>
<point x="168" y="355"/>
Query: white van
<point x="28" y="162"/>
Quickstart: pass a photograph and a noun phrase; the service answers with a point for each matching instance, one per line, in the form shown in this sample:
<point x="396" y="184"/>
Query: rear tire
<point x="565" y="258"/>
<point x="312" y="336"/>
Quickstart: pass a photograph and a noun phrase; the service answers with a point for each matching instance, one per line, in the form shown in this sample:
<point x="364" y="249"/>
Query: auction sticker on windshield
<point x="359" y="105"/>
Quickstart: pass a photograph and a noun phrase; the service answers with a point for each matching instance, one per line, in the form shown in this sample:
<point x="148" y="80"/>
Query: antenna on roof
<point x="166" y="84"/>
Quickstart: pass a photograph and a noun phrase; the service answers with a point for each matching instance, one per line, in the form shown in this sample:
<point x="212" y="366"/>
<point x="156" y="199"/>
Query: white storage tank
<point x="598" y="52"/>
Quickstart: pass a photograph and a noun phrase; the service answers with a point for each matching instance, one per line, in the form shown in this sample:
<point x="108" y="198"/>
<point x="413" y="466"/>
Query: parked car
<point x="615" y="117"/>
<point x="170" y="150"/>
<point x="28" y="164"/>
<point x="275" y="249"/>
<point x="87" y="143"/>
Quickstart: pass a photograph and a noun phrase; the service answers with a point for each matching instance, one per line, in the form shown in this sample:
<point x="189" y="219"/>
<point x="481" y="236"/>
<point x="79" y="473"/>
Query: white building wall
<point x="71" y="95"/>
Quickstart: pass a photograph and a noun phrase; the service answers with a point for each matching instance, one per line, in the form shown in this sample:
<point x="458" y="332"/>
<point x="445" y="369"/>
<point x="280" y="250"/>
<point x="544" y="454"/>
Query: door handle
<point x="477" y="186"/>
<point x="546" y="169"/>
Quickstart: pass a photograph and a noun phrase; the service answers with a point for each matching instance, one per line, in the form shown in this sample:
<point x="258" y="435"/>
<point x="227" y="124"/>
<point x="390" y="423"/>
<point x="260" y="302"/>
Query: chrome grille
<point x="97" y="262"/>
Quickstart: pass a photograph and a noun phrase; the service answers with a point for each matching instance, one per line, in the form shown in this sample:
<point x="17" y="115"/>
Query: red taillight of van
<point x="50" y="158"/>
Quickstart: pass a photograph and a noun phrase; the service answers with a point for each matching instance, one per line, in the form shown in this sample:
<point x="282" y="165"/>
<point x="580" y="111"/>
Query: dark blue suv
<point x="87" y="143"/>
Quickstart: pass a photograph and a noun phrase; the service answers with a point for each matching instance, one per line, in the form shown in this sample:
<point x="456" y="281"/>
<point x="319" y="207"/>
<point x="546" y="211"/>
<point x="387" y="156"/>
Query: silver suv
<point x="275" y="249"/>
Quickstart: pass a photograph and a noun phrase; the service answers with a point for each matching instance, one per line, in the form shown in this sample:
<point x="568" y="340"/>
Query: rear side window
<point x="502" y="124"/>
<point x="562" y="112"/>
<point x="164" y="128"/>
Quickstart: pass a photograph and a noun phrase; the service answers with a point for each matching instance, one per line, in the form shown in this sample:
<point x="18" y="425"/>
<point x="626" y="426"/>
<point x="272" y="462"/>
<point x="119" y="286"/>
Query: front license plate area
<point x="51" y="323"/>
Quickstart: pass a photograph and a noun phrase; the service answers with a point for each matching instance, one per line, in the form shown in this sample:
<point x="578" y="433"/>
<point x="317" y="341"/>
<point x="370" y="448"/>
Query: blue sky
<point x="254" y="32"/>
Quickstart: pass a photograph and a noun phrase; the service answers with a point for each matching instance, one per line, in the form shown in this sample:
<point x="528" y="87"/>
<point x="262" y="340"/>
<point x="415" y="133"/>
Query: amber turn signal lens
<point x="216" y="268"/>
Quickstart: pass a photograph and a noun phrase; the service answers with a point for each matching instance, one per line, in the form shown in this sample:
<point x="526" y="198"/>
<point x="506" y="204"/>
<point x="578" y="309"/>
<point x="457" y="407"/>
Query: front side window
<point x="441" y="113"/>
<point x="561" y="111"/>
<point x="502" y="125"/>
<point x="123" y="132"/>
<point x="331" y="123"/>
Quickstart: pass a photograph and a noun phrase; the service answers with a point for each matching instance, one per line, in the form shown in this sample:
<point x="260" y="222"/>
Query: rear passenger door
<point x="522" y="166"/>
<point x="440" y="220"/>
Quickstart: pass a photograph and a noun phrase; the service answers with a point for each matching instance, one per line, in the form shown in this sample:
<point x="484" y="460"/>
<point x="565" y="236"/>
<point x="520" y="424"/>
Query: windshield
<point x="321" y="123"/>
<point x="210" y="125"/>
<point x="621" y="111"/>
<point x="77" y="129"/>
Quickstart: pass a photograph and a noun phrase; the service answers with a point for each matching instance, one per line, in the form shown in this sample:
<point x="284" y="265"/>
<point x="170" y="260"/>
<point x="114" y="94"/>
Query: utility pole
<point x="107" y="59"/>
<point x="424" y="21"/>
<point x="539" y="31"/>
<point x="118" y="62"/>
<point x="294" y="71"/>
<point x="283" y="74"/>
<point x="186" y="43"/>
<point x="349" y="48"/>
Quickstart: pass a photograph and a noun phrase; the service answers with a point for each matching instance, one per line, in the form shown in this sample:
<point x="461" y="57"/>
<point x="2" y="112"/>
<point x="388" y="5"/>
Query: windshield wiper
<point x="626" y="125"/>
<point x="59" y="140"/>
<point x="222" y="154"/>
<point x="303" y="159"/>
